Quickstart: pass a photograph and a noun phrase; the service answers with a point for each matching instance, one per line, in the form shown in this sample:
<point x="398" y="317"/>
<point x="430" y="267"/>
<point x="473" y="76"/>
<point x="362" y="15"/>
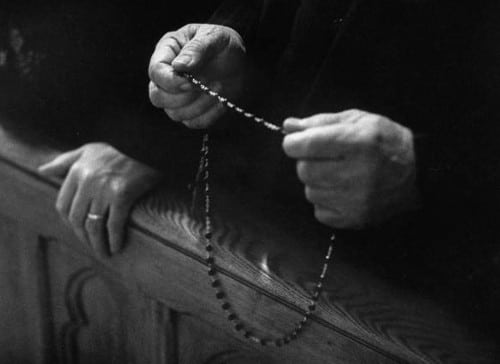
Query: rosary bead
<point x="210" y="260"/>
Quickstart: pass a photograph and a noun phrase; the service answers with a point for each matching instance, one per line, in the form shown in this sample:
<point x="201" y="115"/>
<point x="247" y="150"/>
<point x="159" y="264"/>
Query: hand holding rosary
<point x="220" y="294"/>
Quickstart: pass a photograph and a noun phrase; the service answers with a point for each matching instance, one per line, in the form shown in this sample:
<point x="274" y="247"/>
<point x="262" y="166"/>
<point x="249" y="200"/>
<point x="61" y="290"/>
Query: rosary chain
<point x="231" y="105"/>
<point x="231" y="315"/>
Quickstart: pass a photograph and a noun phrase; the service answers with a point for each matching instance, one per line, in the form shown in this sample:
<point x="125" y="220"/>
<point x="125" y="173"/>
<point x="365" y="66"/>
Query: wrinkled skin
<point x="98" y="179"/>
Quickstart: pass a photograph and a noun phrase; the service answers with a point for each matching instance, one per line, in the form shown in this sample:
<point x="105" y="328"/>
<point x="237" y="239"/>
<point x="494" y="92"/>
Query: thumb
<point x="204" y="46"/>
<point x="60" y="165"/>
<point x="292" y="125"/>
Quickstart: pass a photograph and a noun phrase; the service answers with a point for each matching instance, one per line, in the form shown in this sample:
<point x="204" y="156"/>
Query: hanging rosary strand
<point x="203" y="173"/>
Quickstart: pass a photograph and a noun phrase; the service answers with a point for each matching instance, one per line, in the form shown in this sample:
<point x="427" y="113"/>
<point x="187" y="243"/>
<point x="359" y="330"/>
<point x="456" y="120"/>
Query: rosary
<point x="203" y="173"/>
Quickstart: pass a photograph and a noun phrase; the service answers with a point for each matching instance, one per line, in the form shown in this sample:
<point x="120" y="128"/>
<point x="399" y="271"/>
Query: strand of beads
<point x="231" y="105"/>
<point x="232" y="317"/>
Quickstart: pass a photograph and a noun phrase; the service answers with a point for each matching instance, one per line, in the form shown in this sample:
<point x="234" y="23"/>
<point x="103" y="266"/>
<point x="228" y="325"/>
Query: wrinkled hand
<point x="215" y="54"/>
<point x="358" y="168"/>
<point x="99" y="180"/>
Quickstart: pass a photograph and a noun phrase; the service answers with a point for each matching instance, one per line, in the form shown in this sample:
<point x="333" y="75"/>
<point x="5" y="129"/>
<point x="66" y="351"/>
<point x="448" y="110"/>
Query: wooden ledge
<point x="266" y="270"/>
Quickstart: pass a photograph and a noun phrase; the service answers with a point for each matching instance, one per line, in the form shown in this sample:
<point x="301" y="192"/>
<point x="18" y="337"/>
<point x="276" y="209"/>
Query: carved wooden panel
<point x="59" y="306"/>
<point x="97" y="320"/>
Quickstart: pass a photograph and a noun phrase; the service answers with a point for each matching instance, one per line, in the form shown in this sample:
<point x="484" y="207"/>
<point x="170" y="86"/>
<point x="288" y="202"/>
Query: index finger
<point x="322" y="142"/>
<point x="292" y="125"/>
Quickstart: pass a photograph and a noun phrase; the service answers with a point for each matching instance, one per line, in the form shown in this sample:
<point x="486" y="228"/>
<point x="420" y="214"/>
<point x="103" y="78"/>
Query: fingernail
<point x="182" y="60"/>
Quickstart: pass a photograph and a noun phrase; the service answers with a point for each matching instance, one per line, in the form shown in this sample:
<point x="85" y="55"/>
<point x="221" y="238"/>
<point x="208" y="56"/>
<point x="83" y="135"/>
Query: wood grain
<point x="267" y="268"/>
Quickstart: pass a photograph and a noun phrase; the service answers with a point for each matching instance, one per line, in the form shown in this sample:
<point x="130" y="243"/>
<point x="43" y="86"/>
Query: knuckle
<point x="305" y="172"/>
<point x="373" y="133"/>
<point x="169" y="35"/>
<point x="83" y="173"/>
<point x="194" y="46"/>
<point x="324" y="216"/>
<point x="288" y="145"/>
<point x="310" y="194"/>
<point x="154" y="71"/>
<point x="120" y="188"/>
<point x="154" y="95"/>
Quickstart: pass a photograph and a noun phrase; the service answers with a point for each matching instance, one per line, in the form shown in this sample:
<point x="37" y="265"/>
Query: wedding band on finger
<point x="94" y="217"/>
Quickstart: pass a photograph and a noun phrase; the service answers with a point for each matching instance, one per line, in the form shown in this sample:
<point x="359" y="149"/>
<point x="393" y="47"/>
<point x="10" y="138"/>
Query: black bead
<point x="247" y="334"/>
<point x="209" y="248"/>
<point x="231" y="317"/>
<point x="278" y="343"/>
<point x="219" y="295"/>
<point x="210" y="260"/>
<point x="211" y="272"/>
<point x="226" y="306"/>
<point x="312" y="307"/>
<point x="238" y="326"/>
<point x="208" y="235"/>
<point x="263" y="342"/>
<point x="215" y="283"/>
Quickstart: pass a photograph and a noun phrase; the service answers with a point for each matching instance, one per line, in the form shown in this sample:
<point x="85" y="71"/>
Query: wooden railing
<point x="153" y="303"/>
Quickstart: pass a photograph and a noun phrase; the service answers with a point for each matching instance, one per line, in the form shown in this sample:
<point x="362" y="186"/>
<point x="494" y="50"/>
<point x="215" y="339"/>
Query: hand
<point x="101" y="181"/>
<point x="358" y="168"/>
<point x="215" y="54"/>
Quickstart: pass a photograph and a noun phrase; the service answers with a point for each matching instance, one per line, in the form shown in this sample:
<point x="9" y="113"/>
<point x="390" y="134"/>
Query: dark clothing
<point x="431" y="66"/>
